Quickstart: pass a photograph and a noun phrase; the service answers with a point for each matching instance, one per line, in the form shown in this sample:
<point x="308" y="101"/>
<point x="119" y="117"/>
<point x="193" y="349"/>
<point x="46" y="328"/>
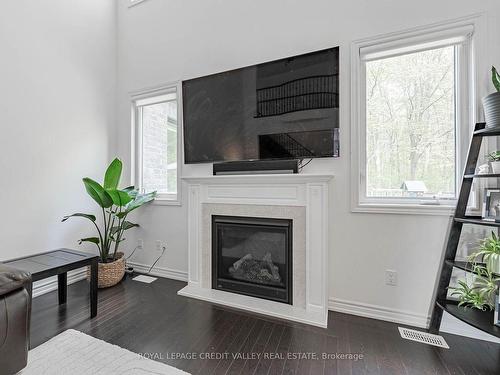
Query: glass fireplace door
<point x="252" y="256"/>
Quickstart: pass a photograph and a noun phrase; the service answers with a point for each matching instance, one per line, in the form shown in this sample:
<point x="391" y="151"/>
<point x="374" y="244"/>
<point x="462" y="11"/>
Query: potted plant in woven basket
<point x="491" y="103"/>
<point x="115" y="205"/>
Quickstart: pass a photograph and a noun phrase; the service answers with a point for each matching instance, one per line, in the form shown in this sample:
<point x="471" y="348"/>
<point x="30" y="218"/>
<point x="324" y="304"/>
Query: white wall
<point x="163" y="41"/>
<point x="57" y="105"/>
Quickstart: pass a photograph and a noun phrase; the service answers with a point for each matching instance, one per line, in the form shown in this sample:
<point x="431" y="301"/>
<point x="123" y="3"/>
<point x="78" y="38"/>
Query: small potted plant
<point x="481" y="290"/>
<point x="489" y="253"/>
<point x="115" y="205"/>
<point x="491" y="103"/>
<point x="494" y="159"/>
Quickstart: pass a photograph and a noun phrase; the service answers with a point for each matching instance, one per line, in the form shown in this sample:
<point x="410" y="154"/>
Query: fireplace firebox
<point x="252" y="256"/>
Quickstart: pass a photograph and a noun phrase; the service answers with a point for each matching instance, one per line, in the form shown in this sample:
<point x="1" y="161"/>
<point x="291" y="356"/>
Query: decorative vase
<point x="494" y="265"/>
<point x="109" y="274"/>
<point x="491" y="106"/>
<point x="495" y="167"/>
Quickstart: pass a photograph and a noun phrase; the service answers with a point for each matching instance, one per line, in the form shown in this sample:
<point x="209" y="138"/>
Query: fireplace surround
<point x="253" y="256"/>
<point x="301" y="198"/>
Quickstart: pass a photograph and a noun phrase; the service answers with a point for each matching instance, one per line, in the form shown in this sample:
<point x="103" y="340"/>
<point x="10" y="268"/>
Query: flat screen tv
<point x="283" y="109"/>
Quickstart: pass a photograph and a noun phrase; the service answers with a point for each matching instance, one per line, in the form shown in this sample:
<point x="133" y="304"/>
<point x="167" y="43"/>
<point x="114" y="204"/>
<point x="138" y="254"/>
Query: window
<point x="157" y="142"/>
<point x="412" y="94"/>
<point x="410" y="125"/>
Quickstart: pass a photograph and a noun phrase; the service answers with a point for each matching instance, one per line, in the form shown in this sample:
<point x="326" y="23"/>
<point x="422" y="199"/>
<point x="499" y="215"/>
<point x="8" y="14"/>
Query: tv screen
<point x="283" y="109"/>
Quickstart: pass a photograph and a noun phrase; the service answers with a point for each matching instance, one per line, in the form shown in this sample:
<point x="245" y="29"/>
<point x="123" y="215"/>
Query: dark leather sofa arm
<point x="11" y="279"/>
<point x="15" y="312"/>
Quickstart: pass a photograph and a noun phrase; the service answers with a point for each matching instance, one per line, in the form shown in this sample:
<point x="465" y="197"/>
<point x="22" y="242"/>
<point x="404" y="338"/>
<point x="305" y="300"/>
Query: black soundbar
<point x="256" y="167"/>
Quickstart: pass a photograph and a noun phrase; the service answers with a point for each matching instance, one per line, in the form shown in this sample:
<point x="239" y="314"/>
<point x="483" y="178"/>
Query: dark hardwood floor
<point x="152" y="318"/>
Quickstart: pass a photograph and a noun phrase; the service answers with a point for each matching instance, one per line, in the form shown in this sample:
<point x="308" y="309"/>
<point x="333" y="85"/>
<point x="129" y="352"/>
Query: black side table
<point x="59" y="262"/>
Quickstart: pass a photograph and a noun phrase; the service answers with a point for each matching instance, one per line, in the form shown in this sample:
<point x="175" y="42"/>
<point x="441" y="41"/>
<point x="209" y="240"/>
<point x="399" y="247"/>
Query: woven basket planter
<point x="110" y="274"/>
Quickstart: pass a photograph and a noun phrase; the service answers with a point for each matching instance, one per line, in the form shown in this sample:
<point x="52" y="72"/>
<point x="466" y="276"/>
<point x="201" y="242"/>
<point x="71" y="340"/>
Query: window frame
<point x="136" y="142"/>
<point x="465" y="31"/>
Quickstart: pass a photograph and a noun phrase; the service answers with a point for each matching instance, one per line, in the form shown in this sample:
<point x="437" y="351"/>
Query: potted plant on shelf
<point x="489" y="253"/>
<point x="115" y="205"/>
<point x="494" y="159"/>
<point x="482" y="291"/>
<point x="491" y="103"/>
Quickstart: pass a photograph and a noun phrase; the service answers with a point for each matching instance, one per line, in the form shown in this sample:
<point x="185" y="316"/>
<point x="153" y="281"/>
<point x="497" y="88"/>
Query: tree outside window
<point x="411" y="125"/>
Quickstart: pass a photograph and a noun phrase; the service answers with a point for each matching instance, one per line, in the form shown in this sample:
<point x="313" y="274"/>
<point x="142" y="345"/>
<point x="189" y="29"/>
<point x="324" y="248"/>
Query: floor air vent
<point x="423" y="337"/>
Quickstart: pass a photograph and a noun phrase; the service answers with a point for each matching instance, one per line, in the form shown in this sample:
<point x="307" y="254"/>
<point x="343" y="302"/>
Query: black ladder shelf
<point x="482" y="320"/>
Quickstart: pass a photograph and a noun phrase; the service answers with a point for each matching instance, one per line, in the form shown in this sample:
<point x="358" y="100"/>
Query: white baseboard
<point x="160" y="271"/>
<point x="378" y="312"/>
<point x="50" y="284"/>
<point x="449" y="323"/>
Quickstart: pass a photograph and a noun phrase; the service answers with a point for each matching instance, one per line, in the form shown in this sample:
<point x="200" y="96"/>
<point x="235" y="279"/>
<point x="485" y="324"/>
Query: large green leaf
<point x="97" y="192"/>
<point x="129" y="225"/>
<point x="94" y="240"/>
<point x="126" y="225"/>
<point x="78" y="214"/>
<point x="131" y="191"/>
<point x="495" y="77"/>
<point x="120" y="198"/>
<point x="113" y="174"/>
<point x="139" y="200"/>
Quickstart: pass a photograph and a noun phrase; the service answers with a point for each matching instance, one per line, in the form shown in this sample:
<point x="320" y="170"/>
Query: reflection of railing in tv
<point x="298" y="95"/>
<point x="287" y="143"/>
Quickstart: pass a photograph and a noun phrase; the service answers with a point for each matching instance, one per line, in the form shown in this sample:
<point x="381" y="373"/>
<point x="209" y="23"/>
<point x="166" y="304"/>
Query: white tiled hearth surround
<point x="300" y="197"/>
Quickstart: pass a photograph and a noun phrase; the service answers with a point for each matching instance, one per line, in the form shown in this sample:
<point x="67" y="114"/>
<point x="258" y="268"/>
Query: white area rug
<point x="76" y="353"/>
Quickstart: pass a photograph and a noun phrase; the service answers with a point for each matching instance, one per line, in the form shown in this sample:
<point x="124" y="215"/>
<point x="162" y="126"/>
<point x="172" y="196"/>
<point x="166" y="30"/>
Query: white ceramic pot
<point x="491" y="106"/>
<point x="495" y="167"/>
<point x="494" y="265"/>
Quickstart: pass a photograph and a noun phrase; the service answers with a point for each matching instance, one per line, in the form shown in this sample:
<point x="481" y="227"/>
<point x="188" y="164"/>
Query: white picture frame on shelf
<point x="491" y="204"/>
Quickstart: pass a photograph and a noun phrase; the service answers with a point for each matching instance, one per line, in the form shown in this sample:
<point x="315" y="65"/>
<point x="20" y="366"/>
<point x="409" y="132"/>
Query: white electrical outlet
<point x="158" y="245"/>
<point x="140" y="244"/>
<point x="391" y="277"/>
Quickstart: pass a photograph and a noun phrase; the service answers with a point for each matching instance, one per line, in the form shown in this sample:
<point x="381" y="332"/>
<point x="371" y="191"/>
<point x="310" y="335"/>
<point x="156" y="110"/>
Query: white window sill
<point x="166" y="202"/>
<point x="405" y="209"/>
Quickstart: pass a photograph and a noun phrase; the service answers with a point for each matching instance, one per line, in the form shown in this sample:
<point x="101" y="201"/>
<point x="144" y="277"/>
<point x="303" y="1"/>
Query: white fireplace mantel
<point x="274" y="195"/>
